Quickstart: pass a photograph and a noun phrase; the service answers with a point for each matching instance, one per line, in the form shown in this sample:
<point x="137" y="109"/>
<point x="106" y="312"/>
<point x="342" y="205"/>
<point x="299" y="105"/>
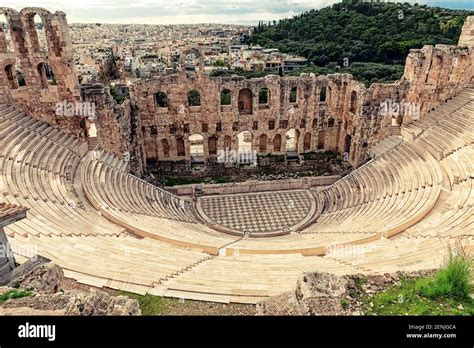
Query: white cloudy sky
<point x="179" y="11"/>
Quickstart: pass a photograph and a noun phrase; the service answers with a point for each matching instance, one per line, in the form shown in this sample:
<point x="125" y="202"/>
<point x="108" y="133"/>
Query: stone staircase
<point x="395" y="130"/>
<point x="92" y="143"/>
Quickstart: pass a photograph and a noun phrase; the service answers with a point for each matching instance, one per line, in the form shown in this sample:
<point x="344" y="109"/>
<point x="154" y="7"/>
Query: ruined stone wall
<point x="467" y="34"/>
<point x="333" y="112"/>
<point x="319" y="124"/>
<point x="254" y="186"/>
<point x="116" y="125"/>
<point x="350" y="119"/>
<point x="39" y="97"/>
<point x="437" y="73"/>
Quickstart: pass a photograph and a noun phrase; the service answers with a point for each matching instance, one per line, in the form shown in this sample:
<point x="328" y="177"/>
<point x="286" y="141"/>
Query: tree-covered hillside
<point x="362" y="32"/>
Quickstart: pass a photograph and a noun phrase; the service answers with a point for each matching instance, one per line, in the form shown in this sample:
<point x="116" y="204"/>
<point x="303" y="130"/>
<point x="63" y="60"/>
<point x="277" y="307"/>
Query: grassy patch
<point x="149" y="305"/>
<point x="156" y="305"/>
<point x="445" y="293"/>
<point x="452" y="281"/>
<point x="12" y="294"/>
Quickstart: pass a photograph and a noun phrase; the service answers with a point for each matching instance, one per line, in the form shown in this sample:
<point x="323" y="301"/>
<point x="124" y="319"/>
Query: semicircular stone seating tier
<point x="149" y="211"/>
<point x="107" y="228"/>
<point x="38" y="163"/>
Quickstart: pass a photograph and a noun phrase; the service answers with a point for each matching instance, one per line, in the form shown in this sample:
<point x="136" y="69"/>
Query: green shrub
<point x="453" y="280"/>
<point x="12" y="294"/>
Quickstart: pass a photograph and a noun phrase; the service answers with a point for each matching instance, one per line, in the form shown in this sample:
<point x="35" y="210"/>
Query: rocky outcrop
<point x="43" y="282"/>
<point x="101" y="303"/>
<point x="39" y="274"/>
<point x="328" y="294"/>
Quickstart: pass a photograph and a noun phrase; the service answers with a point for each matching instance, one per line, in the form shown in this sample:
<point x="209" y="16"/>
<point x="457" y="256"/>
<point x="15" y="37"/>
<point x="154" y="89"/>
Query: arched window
<point x="330" y="122"/>
<point x="46" y="75"/>
<point x="245" y="101"/>
<point x="263" y="96"/>
<point x="322" y="94"/>
<point x="293" y="95"/>
<point x="194" y="98"/>
<point x="36" y="30"/>
<point x="161" y="99"/>
<point x="10" y="77"/>
<point x="20" y="78"/>
<point x="244" y="142"/>
<point x="225" y="97"/>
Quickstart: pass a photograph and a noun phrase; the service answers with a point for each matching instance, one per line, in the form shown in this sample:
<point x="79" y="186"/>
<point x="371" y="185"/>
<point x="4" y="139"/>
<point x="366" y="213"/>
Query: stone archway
<point x="244" y="142"/>
<point x="196" y="146"/>
<point x="292" y="140"/>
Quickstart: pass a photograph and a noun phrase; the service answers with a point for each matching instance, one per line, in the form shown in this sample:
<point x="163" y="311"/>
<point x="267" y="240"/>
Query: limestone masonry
<point x="333" y="112"/>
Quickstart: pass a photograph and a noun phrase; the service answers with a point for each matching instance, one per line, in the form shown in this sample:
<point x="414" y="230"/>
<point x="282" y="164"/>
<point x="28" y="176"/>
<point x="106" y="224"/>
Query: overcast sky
<point x="188" y="11"/>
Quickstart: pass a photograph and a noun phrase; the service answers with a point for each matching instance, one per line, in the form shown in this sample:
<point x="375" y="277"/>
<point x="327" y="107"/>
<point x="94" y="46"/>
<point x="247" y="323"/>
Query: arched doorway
<point x="321" y="140"/>
<point x="262" y="143"/>
<point x="277" y="143"/>
<point x="166" y="147"/>
<point x="180" y="147"/>
<point x="307" y="141"/>
<point x="196" y="147"/>
<point x="244" y="149"/>
<point x="212" y="145"/>
<point x="292" y="140"/>
<point x="244" y="141"/>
